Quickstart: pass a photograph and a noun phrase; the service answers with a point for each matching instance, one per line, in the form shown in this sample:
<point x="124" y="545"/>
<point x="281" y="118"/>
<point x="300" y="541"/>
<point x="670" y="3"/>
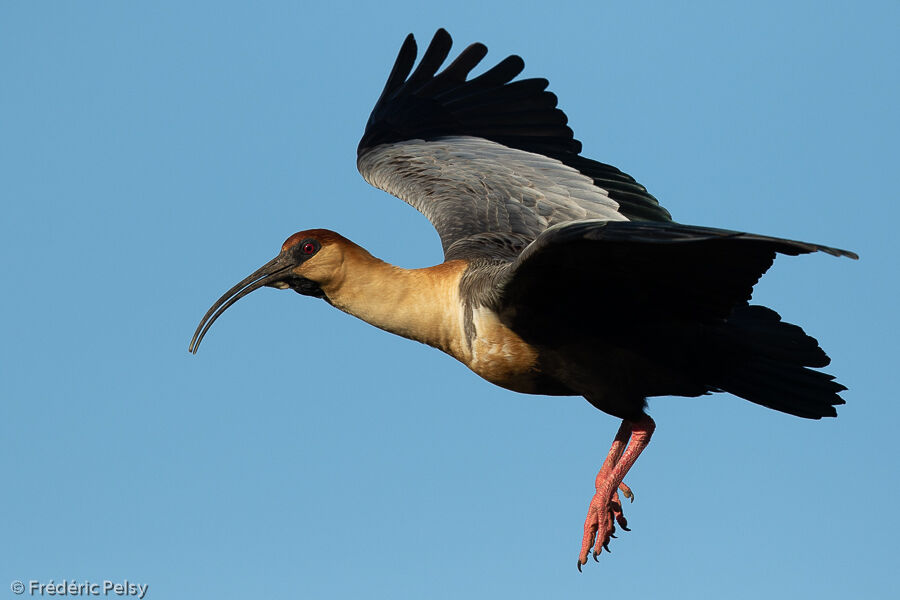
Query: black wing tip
<point x="797" y="247"/>
<point x="846" y="253"/>
<point x="429" y="100"/>
<point x="441" y="33"/>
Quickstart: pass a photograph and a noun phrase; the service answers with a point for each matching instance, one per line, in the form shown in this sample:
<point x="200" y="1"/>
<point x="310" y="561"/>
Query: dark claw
<point x="595" y="557"/>
<point x="579" y="565"/>
<point x="606" y="547"/>
<point x="612" y="535"/>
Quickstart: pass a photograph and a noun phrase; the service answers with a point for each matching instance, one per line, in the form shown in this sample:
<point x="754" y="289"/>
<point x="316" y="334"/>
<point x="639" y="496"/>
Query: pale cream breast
<point x="498" y="354"/>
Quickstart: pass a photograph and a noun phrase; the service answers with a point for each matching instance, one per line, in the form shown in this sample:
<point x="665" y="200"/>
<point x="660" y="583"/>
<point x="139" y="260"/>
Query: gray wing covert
<point x="467" y="186"/>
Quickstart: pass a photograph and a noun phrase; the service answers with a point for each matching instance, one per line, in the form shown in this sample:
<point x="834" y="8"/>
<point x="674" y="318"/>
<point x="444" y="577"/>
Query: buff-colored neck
<point x="419" y="304"/>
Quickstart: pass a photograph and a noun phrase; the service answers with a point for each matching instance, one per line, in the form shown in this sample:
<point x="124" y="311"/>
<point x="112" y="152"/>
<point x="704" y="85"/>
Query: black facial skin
<point x="300" y="253"/>
<point x="304" y="249"/>
<point x="304" y="286"/>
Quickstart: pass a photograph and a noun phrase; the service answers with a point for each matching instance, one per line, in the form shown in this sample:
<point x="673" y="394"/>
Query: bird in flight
<point x="561" y="275"/>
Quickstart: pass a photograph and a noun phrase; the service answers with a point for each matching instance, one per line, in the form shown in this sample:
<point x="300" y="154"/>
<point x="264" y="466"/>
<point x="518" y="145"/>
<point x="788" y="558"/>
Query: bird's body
<point x="562" y="275"/>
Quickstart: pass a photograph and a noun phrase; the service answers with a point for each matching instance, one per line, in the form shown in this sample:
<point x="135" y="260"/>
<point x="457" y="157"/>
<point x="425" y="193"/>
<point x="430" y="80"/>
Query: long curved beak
<point x="274" y="270"/>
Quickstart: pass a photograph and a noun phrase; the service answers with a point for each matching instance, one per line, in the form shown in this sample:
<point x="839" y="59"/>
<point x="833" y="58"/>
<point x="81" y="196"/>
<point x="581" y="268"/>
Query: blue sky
<point x="153" y="154"/>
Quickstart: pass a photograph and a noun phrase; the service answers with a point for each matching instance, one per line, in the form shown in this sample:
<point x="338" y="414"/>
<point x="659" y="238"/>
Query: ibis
<point x="561" y="276"/>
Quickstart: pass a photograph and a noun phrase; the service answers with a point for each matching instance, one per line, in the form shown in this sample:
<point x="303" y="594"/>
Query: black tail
<point x="766" y="361"/>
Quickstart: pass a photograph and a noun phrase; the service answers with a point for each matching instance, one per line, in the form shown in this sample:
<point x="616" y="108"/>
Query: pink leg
<point x="605" y="508"/>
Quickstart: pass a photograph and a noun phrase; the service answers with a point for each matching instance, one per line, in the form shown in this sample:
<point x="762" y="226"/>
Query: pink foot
<point x="605" y="509"/>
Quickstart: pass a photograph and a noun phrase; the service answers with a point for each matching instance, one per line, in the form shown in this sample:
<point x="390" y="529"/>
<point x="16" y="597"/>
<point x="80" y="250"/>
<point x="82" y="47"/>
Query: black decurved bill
<point x="274" y="270"/>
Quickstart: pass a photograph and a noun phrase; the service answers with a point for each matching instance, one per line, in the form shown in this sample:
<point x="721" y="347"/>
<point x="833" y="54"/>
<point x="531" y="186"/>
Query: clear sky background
<point x="154" y="153"/>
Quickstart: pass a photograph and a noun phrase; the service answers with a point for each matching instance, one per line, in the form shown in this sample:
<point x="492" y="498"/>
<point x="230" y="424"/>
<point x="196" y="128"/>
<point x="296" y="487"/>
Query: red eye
<point x="308" y="248"/>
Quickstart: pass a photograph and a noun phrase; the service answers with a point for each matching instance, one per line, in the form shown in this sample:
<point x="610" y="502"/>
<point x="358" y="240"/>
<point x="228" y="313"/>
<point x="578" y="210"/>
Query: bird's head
<point x="308" y="261"/>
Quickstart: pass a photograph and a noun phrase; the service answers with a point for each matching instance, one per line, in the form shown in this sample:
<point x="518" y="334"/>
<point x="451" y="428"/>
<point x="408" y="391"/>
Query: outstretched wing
<point x="489" y="161"/>
<point x="619" y="275"/>
<point x="625" y="310"/>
